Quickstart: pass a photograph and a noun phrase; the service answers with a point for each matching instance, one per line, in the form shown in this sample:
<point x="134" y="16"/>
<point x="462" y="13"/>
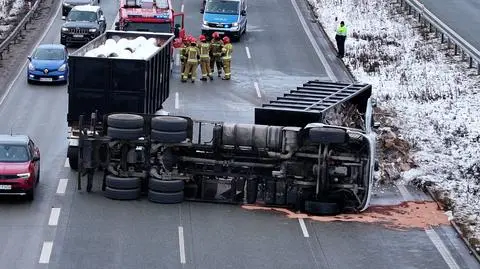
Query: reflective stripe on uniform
<point x="204" y="50"/>
<point x="192" y="54"/>
<point x="227" y="49"/>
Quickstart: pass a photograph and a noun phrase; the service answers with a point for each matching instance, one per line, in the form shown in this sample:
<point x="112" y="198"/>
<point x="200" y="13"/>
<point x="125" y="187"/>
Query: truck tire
<point x="119" y="194"/>
<point x="123" y="183"/>
<point x="125" y="121"/>
<point x="125" y="134"/>
<point x="160" y="185"/>
<point x="165" y="198"/>
<point x="322" y="208"/>
<point x="72" y="154"/>
<point x="169" y="124"/>
<point x="168" y="137"/>
<point x="252" y="191"/>
<point x="328" y="135"/>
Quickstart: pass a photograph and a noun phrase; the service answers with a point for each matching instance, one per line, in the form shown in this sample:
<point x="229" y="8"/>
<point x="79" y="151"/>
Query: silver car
<point x="69" y="4"/>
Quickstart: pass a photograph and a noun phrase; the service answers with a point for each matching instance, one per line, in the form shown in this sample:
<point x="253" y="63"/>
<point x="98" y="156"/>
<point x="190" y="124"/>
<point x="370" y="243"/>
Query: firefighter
<point x="216" y="53"/>
<point x="205" y="58"/>
<point x="193" y="55"/>
<point x="227" y="57"/>
<point x="183" y="49"/>
<point x="340" y="37"/>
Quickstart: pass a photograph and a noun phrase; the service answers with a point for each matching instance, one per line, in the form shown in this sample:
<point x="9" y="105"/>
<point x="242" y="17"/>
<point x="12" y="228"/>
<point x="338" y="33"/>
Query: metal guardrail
<point x="428" y="19"/>
<point x="5" y="45"/>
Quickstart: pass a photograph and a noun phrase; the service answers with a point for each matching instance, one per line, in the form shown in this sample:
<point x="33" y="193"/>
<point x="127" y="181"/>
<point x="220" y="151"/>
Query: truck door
<point x="178" y="20"/>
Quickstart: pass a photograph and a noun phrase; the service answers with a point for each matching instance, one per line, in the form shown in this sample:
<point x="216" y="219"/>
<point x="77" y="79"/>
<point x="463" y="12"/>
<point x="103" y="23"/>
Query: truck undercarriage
<point x="315" y="167"/>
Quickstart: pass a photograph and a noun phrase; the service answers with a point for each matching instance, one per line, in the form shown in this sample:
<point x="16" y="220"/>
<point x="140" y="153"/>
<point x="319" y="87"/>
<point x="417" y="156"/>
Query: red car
<point x="19" y="166"/>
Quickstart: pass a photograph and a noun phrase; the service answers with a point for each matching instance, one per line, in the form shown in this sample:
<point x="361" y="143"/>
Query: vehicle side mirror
<point x="64" y="17"/>
<point x="36" y="158"/>
<point x="243" y="13"/>
<point x="29" y="58"/>
<point x="202" y="10"/>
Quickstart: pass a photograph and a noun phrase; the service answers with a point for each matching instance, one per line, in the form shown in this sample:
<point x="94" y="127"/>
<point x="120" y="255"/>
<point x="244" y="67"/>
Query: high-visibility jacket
<point x="192" y="54"/>
<point x="342" y="31"/>
<point x="227" y="51"/>
<point x="216" y="47"/>
<point x="182" y="52"/>
<point x="204" y="50"/>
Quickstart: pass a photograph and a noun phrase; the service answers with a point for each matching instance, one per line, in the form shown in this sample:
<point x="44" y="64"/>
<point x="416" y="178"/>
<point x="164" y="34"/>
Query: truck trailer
<point x="303" y="152"/>
<point x="109" y="84"/>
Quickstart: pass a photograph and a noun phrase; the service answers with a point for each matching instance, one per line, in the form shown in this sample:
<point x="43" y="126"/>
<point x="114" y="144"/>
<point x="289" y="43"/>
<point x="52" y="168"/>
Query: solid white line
<point x="62" y="185"/>
<point x="248" y="52"/>
<point x="181" y="9"/>
<point x="177" y="101"/>
<point x="447" y="256"/>
<point x="67" y="163"/>
<point x="407" y="196"/>
<point x="304" y="228"/>
<point x="21" y="72"/>
<point x="54" y="216"/>
<point x="257" y="89"/>
<point x="318" y="51"/>
<point x="46" y="252"/>
<point x="181" y="243"/>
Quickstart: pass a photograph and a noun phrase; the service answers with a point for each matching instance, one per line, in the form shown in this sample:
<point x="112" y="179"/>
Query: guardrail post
<point x="448" y="43"/>
<point x="478" y="69"/>
<point x="429" y="27"/>
<point x="456" y="49"/>
<point x="409" y="10"/>
<point x="470" y="62"/>
<point x="442" y="39"/>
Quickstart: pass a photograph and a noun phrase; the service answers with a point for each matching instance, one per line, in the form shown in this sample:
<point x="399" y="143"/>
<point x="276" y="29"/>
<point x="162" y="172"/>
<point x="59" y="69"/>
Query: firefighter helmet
<point x="226" y="39"/>
<point x="202" y="38"/>
<point x="216" y="35"/>
<point x="193" y="40"/>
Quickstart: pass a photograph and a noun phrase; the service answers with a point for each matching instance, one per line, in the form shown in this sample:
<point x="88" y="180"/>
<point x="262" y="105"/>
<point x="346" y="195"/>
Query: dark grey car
<point x="69" y="4"/>
<point x="83" y="24"/>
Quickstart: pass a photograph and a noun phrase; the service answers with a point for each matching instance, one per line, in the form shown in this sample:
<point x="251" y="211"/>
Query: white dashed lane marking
<point x="181" y="244"/>
<point x="248" y="52"/>
<point x="62" y="185"/>
<point x="257" y="89"/>
<point x="303" y="227"/>
<point x="67" y="163"/>
<point x="46" y="252"/>
<point x="54" y="216"/>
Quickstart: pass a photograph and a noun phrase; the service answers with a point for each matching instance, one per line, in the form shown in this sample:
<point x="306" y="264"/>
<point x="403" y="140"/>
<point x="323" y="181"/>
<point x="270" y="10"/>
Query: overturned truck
<point x="312" y="149"/>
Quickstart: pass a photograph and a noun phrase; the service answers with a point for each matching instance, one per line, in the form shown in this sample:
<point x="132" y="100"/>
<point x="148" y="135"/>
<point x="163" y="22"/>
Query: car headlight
<point x="205" y="23"/>
<point x="23" y="175"/>
<point x="235" y="24"/>
<point x="92" y="30"/>
<point x="62" y="67"/>
<point x="31" y="67"/>
<point x="64" y="29"/>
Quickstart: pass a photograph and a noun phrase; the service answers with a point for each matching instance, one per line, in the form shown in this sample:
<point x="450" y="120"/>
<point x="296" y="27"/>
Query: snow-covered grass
<point x="11" y="12"/>
<point x="430" y="95"/>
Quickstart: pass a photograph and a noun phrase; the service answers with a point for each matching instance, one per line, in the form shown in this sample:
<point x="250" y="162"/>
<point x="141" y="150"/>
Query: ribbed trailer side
<point x="310" y="102"/>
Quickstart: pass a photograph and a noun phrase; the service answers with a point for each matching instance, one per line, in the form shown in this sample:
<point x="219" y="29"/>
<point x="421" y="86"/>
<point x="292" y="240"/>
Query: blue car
<point x="227" y="17"/>
<point x="48" y="63"/>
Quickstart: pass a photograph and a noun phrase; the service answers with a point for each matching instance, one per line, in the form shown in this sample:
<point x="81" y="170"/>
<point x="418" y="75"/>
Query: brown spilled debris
<point x="402" y="217"/>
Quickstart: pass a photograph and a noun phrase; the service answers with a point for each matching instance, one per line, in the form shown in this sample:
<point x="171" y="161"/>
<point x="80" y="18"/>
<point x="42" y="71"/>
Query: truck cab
<point x="227" y="17"/>
<point x="148" y="16"/>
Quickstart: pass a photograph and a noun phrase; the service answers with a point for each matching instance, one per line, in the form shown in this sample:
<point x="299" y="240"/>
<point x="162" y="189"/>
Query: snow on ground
<point x="10" y="13"/>
<point x="432" y="96"/>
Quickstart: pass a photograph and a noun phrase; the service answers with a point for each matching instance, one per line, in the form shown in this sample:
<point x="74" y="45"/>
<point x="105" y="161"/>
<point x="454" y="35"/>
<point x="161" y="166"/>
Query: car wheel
<point x="31" y="194"/>
<point x="29" y="81"/>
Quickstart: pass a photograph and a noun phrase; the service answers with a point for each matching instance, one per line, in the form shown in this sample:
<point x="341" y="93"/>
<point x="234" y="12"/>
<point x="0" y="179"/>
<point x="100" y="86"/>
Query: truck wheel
<point x="125" y="183"/>
<point x="72" y="154"/>
<point x="168" y="137"/>
<point x="252" y="190"/>
<point x="159" y="185"/>
<point x="322" y="208"/>
<point x="169" y="124"/>
<point x="119" y="194"/>
<point x="126" y="134"/>
<point x="165" y="198"/>
<point x="328" y="135"/>
<point x="125" y="121"/>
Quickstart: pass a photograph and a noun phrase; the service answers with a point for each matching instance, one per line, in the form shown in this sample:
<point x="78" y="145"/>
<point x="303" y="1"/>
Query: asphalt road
<point x="460" y="16"/>
<point x="94" y="232"/>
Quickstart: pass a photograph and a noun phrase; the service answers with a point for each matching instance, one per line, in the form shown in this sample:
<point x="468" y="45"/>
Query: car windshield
<point x="49" y="54"/>
<point x="148" y="27"/>
<point x="76" y="15"/>
<point x="13" y="153"/>
<point x="222" y="7"/>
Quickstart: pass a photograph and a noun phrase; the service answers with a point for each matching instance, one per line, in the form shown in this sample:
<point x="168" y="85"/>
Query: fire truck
<point x="149" y="16"/>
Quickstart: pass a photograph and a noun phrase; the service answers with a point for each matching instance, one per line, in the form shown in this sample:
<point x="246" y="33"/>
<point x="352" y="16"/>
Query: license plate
<point x="46" y="79"/>
<point x="78" y="36"/>
<point x="221" y="33"/>
<point x="5" y="187"/>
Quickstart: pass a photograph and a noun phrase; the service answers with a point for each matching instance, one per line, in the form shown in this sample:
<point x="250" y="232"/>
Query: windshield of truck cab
<point x="148" y="27"/>
<point x="13" y="153"/>
<point x="222" y="7"/>
<point x="49" y="54"/>
<point x="77" y="15"/>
